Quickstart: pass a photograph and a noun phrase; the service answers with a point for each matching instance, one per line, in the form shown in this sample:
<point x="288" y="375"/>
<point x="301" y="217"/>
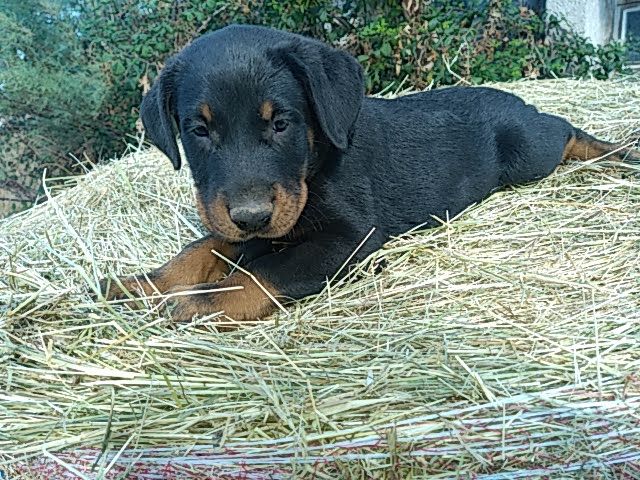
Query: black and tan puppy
<point x="284" y="146"/>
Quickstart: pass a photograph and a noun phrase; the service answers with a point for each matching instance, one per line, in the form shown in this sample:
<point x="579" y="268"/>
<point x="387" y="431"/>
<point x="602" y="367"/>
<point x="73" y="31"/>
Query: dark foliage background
<point x="72" y="72"/>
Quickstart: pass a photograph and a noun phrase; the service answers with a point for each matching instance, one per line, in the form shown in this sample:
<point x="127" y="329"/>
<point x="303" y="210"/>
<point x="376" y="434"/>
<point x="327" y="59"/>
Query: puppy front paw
<point x="234" y="299"/>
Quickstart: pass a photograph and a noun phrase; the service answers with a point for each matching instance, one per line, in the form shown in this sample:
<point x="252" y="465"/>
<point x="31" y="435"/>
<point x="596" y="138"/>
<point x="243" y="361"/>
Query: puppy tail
<point x="583" y="146"/>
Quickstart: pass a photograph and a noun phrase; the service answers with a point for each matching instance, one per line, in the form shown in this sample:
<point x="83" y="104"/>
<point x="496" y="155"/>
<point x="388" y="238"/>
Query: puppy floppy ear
<point x="158" y="114"/>
<point x="333" y="81"/>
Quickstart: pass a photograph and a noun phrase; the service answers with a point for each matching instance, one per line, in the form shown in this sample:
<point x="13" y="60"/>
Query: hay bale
<point x="505" y="344"/>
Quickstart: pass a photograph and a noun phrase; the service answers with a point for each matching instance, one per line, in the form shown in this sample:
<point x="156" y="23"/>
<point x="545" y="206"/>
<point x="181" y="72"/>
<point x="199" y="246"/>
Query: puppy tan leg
<point x="238" y="296"/>
<point x="195" y="264"/>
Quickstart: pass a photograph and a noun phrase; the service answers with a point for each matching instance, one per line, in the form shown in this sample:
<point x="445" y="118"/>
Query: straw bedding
<point x="504" y="344"/>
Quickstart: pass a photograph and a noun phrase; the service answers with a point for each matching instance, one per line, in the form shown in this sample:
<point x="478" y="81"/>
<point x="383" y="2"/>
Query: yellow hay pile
<point x="505" y="344"/>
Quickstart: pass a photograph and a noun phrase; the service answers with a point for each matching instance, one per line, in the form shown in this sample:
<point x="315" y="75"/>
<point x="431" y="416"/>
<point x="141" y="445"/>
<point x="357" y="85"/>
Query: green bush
<point x="442" y="43"/>
<point x="50" y="100"/>
<point x="89" y="61"/>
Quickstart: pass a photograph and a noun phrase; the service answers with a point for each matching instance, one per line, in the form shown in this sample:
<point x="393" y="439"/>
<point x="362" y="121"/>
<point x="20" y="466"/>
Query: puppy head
<point x="250" y="105"/>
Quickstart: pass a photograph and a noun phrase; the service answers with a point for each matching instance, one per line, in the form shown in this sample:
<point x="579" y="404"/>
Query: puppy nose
<point x="251" y="218"/>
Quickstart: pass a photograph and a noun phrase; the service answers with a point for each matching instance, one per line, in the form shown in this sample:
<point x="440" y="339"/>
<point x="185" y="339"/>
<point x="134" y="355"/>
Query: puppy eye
<point x="201" y="131"/>
<point x="280" y="125"/>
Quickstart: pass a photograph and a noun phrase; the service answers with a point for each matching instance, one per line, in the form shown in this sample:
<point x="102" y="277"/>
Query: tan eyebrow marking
<point x="266" y="110"/>
<point x="206" y="111"/>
